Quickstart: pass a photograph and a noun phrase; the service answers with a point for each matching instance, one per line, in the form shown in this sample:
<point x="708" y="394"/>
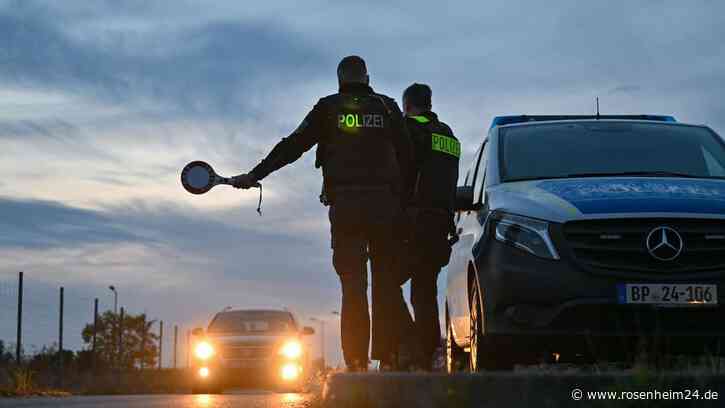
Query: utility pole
<point x="19" y="339"/>
<point x="161" y="342"/>
<point x="95" y="331"/>
<point x="322" y="336"/>
<point x="60" y="340"/>
<point x="188" y="349"/>
<point x="119" y="355"/>
<point x="115" y="299"/>
<point x="143" y="340"/>
<point x="322" y="340"/>
<point x="120" y="340"/>
<point x="176" y="343"/>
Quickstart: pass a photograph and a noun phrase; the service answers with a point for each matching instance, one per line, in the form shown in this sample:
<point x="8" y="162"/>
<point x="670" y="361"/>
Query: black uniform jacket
<point x="361" y="139"/>
<point x="435" y="170"/>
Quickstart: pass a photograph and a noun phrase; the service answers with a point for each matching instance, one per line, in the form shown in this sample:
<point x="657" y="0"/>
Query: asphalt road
<point x="246" y="399"/>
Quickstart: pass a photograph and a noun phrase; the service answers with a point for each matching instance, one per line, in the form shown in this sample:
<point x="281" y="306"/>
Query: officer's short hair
<point x="352" y="69"/>
<point x="418" y="95"/>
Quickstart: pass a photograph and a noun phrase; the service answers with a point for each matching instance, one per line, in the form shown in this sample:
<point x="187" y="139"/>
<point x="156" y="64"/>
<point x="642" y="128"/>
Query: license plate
<point x="667" y="294"/>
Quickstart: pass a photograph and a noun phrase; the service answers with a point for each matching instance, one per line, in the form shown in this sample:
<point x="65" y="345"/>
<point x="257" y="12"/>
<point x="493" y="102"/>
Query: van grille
<point x="619" y="244"/>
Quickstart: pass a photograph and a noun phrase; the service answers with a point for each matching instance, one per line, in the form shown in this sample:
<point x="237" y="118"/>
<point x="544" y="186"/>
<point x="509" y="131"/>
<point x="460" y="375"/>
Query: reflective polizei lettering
<point x="446" y="144"/>
<point x="356" y="120"/>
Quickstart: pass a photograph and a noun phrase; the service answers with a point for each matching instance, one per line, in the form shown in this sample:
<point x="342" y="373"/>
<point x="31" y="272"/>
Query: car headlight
<point x="290" y="371"/>
<point x="292" y="349"/>
<point x="204" y="350"/>
<point x="204" y="372"/>
<point x="525" y="233"/>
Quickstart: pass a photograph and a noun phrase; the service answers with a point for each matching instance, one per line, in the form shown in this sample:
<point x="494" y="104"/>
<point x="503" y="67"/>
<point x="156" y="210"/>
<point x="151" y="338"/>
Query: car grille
<point x="246" y="352"/>
<point x="619" y="244"/>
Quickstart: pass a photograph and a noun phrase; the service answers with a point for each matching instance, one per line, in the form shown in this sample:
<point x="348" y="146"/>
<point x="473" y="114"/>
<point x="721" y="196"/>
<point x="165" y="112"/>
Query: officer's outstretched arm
<point x="291" y="148"/>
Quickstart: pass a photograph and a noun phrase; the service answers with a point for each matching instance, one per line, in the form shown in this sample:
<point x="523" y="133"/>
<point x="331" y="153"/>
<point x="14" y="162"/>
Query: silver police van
<point x="584" y="236"/>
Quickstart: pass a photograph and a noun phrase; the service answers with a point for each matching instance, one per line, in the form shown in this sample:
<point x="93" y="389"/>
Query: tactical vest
<point x="356" y="151"/>
<point x="435" y="183"/>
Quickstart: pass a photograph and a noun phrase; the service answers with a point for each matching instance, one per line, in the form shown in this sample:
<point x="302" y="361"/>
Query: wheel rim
<point x="475" y="330"/>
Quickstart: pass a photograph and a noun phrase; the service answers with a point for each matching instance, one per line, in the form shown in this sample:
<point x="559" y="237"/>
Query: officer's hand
<point x="245" y="181"/>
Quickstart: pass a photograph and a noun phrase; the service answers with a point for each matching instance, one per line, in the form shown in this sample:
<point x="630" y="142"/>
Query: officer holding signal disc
<point x="365" y="152"/>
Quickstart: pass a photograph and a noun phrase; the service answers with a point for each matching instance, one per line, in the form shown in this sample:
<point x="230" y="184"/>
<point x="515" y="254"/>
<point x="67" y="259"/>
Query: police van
<point x="584" y="236"/>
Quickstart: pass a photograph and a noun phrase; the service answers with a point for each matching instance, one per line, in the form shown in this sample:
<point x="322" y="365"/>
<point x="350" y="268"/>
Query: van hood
<point x="561" y="200"/>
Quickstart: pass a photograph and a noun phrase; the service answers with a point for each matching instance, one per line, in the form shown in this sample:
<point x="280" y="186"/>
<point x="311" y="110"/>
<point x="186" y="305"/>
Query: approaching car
<point x="243" y="345"/>
<point x="583" y="235"/>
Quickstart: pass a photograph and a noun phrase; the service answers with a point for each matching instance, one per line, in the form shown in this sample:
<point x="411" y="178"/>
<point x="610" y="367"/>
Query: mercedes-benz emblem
<point x="664" y="243"/>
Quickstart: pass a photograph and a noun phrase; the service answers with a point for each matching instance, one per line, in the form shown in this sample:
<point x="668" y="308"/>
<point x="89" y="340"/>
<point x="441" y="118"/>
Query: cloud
<point x="223" y="245"/>
<point x="625" y="89"/>
<point x="44" y="224"/>
<point x="215" y="68"/>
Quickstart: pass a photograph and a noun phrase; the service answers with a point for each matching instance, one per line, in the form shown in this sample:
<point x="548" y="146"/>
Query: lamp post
<point x="322" y="341"/>
<point x="115" y="299"/>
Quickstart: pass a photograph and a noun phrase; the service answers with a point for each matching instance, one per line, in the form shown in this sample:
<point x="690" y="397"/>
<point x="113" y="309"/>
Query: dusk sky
<point x="103" y="102"/>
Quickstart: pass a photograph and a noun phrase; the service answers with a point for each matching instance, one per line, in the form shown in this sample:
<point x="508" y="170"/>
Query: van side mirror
<point x="198" y="331"/>
<point x="464" y="199"/>
<point x="308" y="331"/>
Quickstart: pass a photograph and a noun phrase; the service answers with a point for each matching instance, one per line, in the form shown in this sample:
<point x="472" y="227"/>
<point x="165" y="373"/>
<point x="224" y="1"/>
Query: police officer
<point x="433" y="190"/>
<point x="365" y="153"/>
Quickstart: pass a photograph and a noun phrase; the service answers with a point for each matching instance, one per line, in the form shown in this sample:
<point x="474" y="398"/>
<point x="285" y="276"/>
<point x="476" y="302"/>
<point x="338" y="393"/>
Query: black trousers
<point x="362" y="227"/>
<point x="427" y="251"/>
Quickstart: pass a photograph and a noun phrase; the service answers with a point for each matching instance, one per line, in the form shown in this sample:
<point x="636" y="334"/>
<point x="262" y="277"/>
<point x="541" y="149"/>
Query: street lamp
<point x="322" y="340"/>
<point x="115" y="299"/>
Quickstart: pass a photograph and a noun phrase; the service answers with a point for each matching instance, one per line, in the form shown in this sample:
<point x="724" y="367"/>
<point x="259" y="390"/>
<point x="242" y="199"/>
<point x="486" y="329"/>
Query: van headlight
<point x="524" y="233"/>
<point x="204" y="350"/>
<point x="291" y="349"/>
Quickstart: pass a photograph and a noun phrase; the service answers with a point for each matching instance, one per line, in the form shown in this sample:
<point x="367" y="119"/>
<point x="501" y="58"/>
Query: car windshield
<point x="604" y="148"/>
<point x="252" y="322"/>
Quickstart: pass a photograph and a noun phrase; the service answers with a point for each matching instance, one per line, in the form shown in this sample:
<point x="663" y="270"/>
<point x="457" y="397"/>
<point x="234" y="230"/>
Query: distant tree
<point x="48" y="358"/>
<point x="5" y="355"/>
<point x="133" y="332"/>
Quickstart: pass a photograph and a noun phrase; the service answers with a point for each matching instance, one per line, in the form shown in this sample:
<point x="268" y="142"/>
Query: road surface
<point x="246" y="399"/>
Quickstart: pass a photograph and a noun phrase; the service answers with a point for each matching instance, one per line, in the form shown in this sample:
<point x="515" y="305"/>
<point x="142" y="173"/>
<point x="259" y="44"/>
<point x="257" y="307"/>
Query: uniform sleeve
<point x="291" y="148"/>
<point x="421" y="140"/>
<point x="403" y="149"/>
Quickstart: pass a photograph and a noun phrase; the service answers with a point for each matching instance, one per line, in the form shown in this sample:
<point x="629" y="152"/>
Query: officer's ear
<point x="367" y="79"/>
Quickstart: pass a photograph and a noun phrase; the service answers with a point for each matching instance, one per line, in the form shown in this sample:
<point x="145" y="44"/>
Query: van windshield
<point x="609" y="148"/>
<point x="252" y="322"/>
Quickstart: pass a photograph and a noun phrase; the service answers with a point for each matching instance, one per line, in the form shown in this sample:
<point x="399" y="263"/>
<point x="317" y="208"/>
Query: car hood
<point x="247" y="340"/>
<point x="562" y="200"/>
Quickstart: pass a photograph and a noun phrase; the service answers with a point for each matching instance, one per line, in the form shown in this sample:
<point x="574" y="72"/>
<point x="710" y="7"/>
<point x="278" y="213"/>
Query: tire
<point x="486" y="353"/>
<point x="455" y="356"/>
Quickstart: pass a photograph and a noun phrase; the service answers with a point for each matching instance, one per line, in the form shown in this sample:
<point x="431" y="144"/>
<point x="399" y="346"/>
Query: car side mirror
<point x="198" y="331"/>
<point x="308" y="331"/>
<point x="464" y="199"/>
